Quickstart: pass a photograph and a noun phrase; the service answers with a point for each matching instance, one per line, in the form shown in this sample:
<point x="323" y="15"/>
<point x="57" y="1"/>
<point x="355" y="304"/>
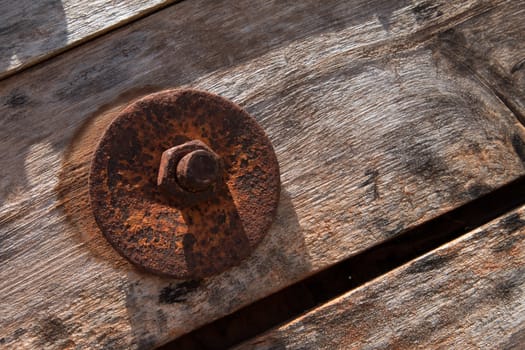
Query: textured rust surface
<point x="158" y="229"/>
<point x="190" y="173"/>
<point x="197" y="171"/>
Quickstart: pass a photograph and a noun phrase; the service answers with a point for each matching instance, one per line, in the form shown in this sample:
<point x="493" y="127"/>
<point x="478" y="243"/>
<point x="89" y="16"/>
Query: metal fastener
<point x="197" y="171"/>
<point x="189" y="172"/>
<point x="184" y="183"/>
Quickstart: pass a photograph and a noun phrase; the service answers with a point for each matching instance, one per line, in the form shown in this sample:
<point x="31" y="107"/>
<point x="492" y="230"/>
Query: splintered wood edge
<point x="469" y="293"/>
<point x="375" y="126"/>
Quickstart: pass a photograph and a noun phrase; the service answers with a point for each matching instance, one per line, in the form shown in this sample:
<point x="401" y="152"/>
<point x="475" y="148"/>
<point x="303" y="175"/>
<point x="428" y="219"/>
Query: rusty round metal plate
<point x="151" y="227"/>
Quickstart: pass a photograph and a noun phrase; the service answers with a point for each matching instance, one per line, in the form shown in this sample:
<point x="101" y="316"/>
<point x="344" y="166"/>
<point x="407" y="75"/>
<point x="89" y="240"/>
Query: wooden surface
<point x="374" y="126"/>
<point x="468" y="294"/>
<point x="31" y="31"/>
<point x="492" y="48"/>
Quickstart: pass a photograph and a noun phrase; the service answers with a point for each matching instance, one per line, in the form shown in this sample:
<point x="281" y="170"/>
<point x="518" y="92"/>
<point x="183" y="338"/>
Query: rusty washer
<point x="184" y="183"/>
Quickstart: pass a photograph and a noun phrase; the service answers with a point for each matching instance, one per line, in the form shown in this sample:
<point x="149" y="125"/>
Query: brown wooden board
<point x="374" y="129"/>
<point x="468" y="294"/>
<point x="31" y="31"/>
<point x="492" y="48"/>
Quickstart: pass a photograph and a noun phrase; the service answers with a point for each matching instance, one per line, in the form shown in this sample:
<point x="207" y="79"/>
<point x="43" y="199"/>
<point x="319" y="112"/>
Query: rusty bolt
<point x="189" y="172"/>
<point x="198" y="170"/>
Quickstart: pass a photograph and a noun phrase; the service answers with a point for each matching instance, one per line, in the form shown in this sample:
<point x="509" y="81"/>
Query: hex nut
<point x="174" y="180"/>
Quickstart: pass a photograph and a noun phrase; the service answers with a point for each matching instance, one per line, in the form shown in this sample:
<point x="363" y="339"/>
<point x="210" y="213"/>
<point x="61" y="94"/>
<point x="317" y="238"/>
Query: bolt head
<point x="189" y="172"/>
<point x="198" y="170"/>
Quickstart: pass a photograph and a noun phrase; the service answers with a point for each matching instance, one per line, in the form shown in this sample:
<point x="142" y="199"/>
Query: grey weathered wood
<point x="468" y="294"/>
<point x="495" y="56"/>
<point x="31" y="31"/>
<point x="374" y="132"/>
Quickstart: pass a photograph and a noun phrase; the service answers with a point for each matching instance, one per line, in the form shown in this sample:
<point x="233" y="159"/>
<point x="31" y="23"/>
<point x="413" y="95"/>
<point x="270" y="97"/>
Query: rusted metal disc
<point x="152" y="228"/>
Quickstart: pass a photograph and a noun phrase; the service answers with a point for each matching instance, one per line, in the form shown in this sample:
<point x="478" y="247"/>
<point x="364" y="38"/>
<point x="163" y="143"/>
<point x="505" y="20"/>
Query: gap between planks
<point x="345" y="276"/>
<point x="467" y="294"/>
<point x="29" y="61"/>
<point x="305" y="87"/>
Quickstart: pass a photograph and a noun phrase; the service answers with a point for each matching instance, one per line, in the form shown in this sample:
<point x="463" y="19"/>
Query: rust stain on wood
<point x="72" y="188"/>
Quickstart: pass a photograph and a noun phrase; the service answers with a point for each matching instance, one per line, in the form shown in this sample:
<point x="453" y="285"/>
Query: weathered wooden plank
<point x="468" y="294"/>
<point x="31" y="31"/>
<point x="496" y="56"/>
<point x="374" y="135"/>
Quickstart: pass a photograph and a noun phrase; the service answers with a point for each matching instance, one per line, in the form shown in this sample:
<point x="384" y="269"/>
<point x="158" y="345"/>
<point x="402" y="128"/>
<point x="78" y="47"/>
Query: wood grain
<point x="496" y="56"/>
<point x="374" y="130"/>
<point x="31" y="31"/>
<point x="468" y="294"/>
